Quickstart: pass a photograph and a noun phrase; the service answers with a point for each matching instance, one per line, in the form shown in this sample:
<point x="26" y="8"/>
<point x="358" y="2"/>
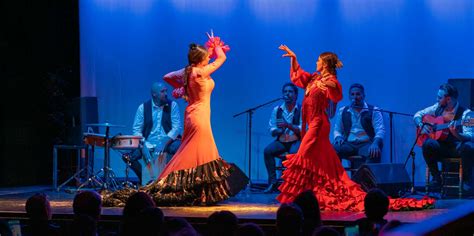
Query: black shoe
<point x="272" y="188"/>
<point x="436" y="183"/>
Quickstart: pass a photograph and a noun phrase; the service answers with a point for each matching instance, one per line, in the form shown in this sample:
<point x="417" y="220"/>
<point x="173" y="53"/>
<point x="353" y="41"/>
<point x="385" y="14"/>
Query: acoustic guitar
<point x="440" y="127"/>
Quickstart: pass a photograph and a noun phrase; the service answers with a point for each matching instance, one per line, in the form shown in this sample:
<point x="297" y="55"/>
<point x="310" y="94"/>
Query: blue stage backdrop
<point x="399" y="50"/>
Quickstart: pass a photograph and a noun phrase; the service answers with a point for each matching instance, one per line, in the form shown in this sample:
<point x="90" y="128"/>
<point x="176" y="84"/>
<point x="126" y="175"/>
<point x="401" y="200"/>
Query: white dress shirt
<point x="157" y="137"/>
<point x="357" y="132"/>
<point x="288" y="117"/>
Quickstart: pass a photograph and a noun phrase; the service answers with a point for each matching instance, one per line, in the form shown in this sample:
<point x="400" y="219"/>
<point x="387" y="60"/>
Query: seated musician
<point x="285" y="125"/>
<point x="459" y="141"/>
<point x="158" y="122"/>
<point x="359" y="129"/>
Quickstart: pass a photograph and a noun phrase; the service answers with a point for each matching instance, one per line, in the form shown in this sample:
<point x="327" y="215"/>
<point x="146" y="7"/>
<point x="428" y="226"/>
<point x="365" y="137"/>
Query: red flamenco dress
<point x="316" y="165"/>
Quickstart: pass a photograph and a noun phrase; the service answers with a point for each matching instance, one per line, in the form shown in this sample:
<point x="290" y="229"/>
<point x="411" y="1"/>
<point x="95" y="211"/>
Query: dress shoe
<point x="272" y="188"/>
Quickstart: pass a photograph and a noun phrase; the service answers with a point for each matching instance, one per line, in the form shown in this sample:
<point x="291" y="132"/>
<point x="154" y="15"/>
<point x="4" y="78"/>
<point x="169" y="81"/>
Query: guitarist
<point x="459" y="142"/>
<point x="158" y="122"/>
<point x="285" y="126"/>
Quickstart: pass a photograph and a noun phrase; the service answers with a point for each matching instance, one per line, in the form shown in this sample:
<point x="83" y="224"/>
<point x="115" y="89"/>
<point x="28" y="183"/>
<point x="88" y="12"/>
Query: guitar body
<point x="440" y="134"/>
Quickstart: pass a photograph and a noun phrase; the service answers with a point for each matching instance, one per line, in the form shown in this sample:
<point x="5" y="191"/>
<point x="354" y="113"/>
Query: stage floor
<point x="248" y="206"/>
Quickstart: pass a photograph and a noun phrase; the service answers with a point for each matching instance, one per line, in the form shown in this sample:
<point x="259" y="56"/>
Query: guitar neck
<point x="446" y="125"/>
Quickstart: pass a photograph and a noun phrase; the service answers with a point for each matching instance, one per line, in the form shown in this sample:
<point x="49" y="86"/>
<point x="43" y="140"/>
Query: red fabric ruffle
<point x="333" y="193"/>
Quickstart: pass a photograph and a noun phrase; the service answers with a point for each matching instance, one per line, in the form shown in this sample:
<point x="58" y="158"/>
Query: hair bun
<point x="192" y="46"/>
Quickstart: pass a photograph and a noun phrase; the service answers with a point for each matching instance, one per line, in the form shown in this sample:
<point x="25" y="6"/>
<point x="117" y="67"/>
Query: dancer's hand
<point x="215" y="42"/>
<point x="288" y="51"/>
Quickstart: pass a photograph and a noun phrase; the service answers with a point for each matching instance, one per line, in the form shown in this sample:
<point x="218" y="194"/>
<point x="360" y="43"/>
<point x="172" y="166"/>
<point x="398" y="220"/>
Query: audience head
<point x="221" y="223"/>
<point x="289" y="219"/>
<point x="87" y="203"/>
<point x="136" y="203"/>
<point x="309" y="205"/>
<point x="38" y="208"/>
<point x="149" y="222"/>
<point x="376" y="204"/>
<point x="250" y="229"/>
<point x="84" y="225"/>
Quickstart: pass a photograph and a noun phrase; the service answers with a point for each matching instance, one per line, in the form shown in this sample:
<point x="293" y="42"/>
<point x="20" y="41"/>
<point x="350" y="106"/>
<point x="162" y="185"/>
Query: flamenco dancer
<point x="316" y="165"/>
<point x="196" y="175"/>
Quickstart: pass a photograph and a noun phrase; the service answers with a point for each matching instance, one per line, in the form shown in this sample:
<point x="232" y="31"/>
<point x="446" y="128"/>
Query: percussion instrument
<point x="107" y="182"/>
<point x="94" y="139"/>
<point x="126" y="142"/>
<point x="106" y="124"/>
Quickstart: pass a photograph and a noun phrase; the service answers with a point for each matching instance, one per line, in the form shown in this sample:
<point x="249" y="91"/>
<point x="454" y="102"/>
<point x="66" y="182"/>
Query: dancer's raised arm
<point x="297" y="75"/>
<point x="175" y="78"/>
<point x="211" y="67"/>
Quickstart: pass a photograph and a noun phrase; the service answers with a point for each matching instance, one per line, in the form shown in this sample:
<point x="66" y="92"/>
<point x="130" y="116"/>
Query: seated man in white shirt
<point x="158" y="122"/>
<point x="458" y="143"/>
<point x="359" y="129"/>
<point x="285" y="126"/>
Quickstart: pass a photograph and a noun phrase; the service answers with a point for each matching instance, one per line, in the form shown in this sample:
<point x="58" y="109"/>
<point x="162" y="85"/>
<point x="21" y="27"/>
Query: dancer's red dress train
<point x="316" y="165"/>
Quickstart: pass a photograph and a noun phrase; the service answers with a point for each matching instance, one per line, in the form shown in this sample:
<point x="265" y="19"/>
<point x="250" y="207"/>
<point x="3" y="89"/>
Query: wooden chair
<point x="352" y="168"/>
<point x="448" y="175"/>
<point x="279" y="166"/>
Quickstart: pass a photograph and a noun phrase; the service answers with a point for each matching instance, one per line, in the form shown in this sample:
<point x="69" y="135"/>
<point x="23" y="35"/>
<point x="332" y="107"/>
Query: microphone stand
<point x="250" y="112"/>
<point x="412" y="155"/>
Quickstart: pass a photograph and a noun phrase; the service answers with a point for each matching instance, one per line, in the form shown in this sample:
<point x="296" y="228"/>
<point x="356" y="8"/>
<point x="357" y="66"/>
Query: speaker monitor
<point x="237" y="180"/>
<point x="393" y="179"/>
<point x="465" y="88"/>
<point x="81" y="111"/>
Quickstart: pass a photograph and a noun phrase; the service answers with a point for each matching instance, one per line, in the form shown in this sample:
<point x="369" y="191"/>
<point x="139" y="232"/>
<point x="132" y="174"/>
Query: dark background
<point x="39" y="70"/>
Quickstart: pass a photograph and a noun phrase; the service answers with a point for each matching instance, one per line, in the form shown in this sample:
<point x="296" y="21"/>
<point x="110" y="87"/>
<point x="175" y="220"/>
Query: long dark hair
<point x="332" y="61"/>
<point x="196" y="54"/>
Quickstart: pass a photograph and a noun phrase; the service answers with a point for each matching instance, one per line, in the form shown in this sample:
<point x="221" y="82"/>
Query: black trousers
<point x="434" y="151"/>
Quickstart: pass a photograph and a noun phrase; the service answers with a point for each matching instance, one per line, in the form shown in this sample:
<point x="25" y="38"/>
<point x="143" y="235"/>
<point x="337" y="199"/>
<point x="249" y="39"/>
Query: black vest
<point x="365" y="121"/>
<point x="148" y="120"/>
<point x="457" y="116"/>
<point x="296" y="115"/>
